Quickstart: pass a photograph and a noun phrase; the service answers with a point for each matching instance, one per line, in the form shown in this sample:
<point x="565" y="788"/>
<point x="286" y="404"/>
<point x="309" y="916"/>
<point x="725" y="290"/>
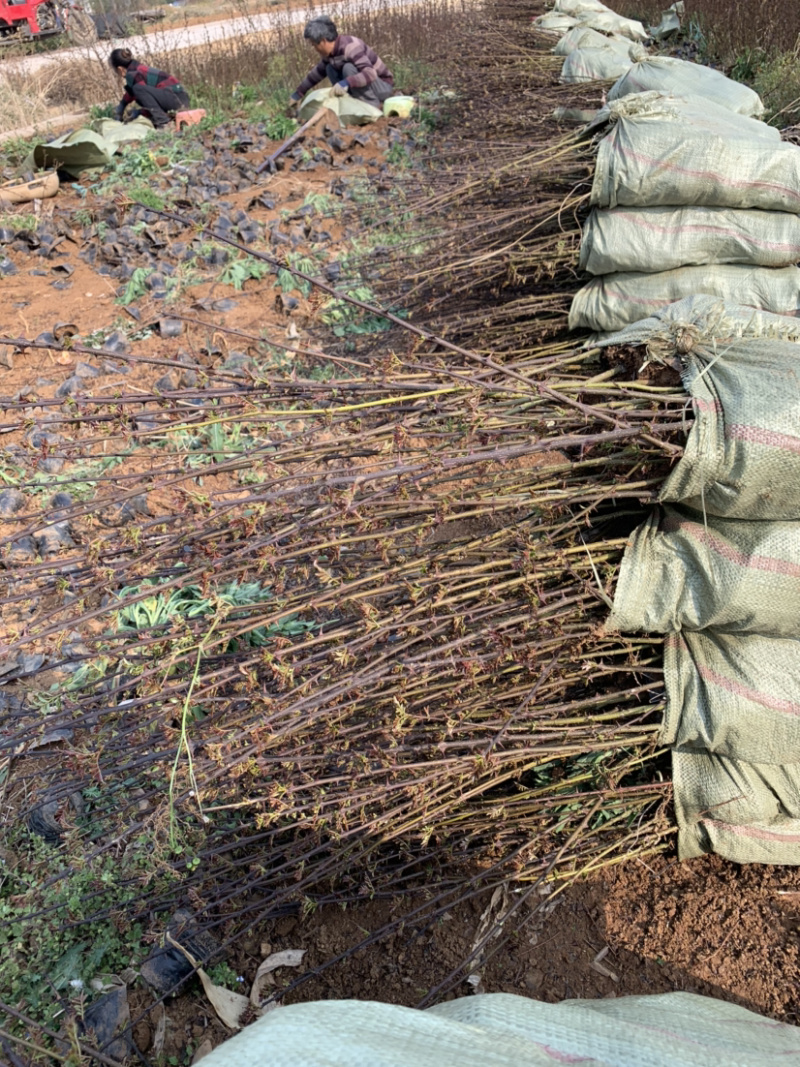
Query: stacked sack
<point x="692" y="193"/>
<point x="716" y="569"/>
<point x="596" y="42"/>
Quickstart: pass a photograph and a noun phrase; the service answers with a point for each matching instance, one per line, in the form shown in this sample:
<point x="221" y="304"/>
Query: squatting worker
<point x="155" y="91"/>
<point x="350" y="65"/>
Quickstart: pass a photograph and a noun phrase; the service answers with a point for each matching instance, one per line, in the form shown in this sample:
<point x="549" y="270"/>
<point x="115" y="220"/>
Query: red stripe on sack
<point x="707" y="405"/>
<point x="658" y="163"/>
<point x="757" y="435"/>
<point x="742" y="830"/>
<point x="656" y="228"/>
<point x="727" y="551"/>
<point x="754" y="695"/>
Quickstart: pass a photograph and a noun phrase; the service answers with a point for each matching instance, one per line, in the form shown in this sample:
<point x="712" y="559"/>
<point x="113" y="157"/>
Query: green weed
<point x="241" y="270"/>
<point x="136" y="287"/>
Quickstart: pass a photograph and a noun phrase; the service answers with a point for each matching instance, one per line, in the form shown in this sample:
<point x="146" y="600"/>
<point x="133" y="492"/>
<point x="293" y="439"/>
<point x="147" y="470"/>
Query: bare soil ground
<point x="705" y="926"/>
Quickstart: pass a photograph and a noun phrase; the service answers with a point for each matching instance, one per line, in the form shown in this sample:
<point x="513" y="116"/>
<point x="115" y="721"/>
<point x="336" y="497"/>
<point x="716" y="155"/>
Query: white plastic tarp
<point x="653" y="239"/>
<point x="613" y="300"/>
<point x="669" y="75"/>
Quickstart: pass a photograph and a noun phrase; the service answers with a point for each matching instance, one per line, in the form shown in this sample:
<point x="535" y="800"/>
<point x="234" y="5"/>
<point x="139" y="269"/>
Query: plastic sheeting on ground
<point x="613" y="300"/>
<point x="655" y="239"/>
<point x="645" y="161"/>
<point x="667" y="74"/>
<point x="705" y="571"/>
<point x="581" y="36"/>
<point x="349" y="110"/>
<point x="85" y="150"/>
<point x="593" y="64"/>
<point x="502" y="1030"/>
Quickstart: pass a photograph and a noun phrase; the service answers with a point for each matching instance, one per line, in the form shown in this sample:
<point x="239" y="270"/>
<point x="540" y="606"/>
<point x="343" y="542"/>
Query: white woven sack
<point x="554" y="23"/>
<point x="705" y="319"/>
<point x="746" y="812"/>
<point x="593" y="64"/>
<point x="683" y="570"/>
<point x="686" y="111"/>
<point x="644" y="161"/>
<point x="653" y="239"/>
<point x="578" y="7"/>
<point x="609" y="22"/>
<point x="669" y="75"/>
<point x="742" y="455"/>
<point x="736" y="695"/>
<point x="581" y="36"/>
<point x="502" y="1030"/>
<point x="613" y="300"/>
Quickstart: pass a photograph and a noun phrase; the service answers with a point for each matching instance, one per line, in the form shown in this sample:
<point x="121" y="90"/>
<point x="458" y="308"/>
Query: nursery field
<point x="311" y="512"/>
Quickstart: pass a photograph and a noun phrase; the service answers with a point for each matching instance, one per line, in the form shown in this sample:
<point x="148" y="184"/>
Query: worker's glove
<point x="340" y="88"/>
<point x="118" y="113"/>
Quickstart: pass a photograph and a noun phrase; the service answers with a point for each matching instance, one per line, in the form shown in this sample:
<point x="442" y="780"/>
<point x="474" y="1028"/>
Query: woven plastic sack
<point x="746" y="812"/>
<point x="685" y="110"/>
<point x="742" y="454"/>
<point x="502" y="1030"/>
<point x="349" y="110"/>
<point x="735" y="695"/>
<point x="583" y="37"/>
<point x="612" y="301"/>
<point x="653" y="239"/>
<point x="686" y="571"/>
<point x="645" y="161"/>
<point x="610" y="22"/>
<point x="669" y="75"/>
<point x="593" y="64"/>
<point x="578" y="7"/>
<point x="554" y="23"/>
<point x="704" y="319"/>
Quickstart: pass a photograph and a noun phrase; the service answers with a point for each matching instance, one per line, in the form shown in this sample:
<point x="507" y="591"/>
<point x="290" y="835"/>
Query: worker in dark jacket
<point x="350" y="65"/>
<point x="156" y="92"/>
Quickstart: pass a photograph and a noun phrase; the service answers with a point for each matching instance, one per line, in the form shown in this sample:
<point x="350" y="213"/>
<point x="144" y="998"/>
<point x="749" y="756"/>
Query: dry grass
<point x="274" y="61"/>
<point x="730" y="28"/>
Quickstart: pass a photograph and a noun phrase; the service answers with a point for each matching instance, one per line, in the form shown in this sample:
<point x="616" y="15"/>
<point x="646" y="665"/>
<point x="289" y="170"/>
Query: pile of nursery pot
<point x="693" y="239"/>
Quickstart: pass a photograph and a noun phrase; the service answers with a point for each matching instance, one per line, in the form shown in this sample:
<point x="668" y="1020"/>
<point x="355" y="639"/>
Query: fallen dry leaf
<point x="290" y="957"/>
<point x="229" y="1006"/>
